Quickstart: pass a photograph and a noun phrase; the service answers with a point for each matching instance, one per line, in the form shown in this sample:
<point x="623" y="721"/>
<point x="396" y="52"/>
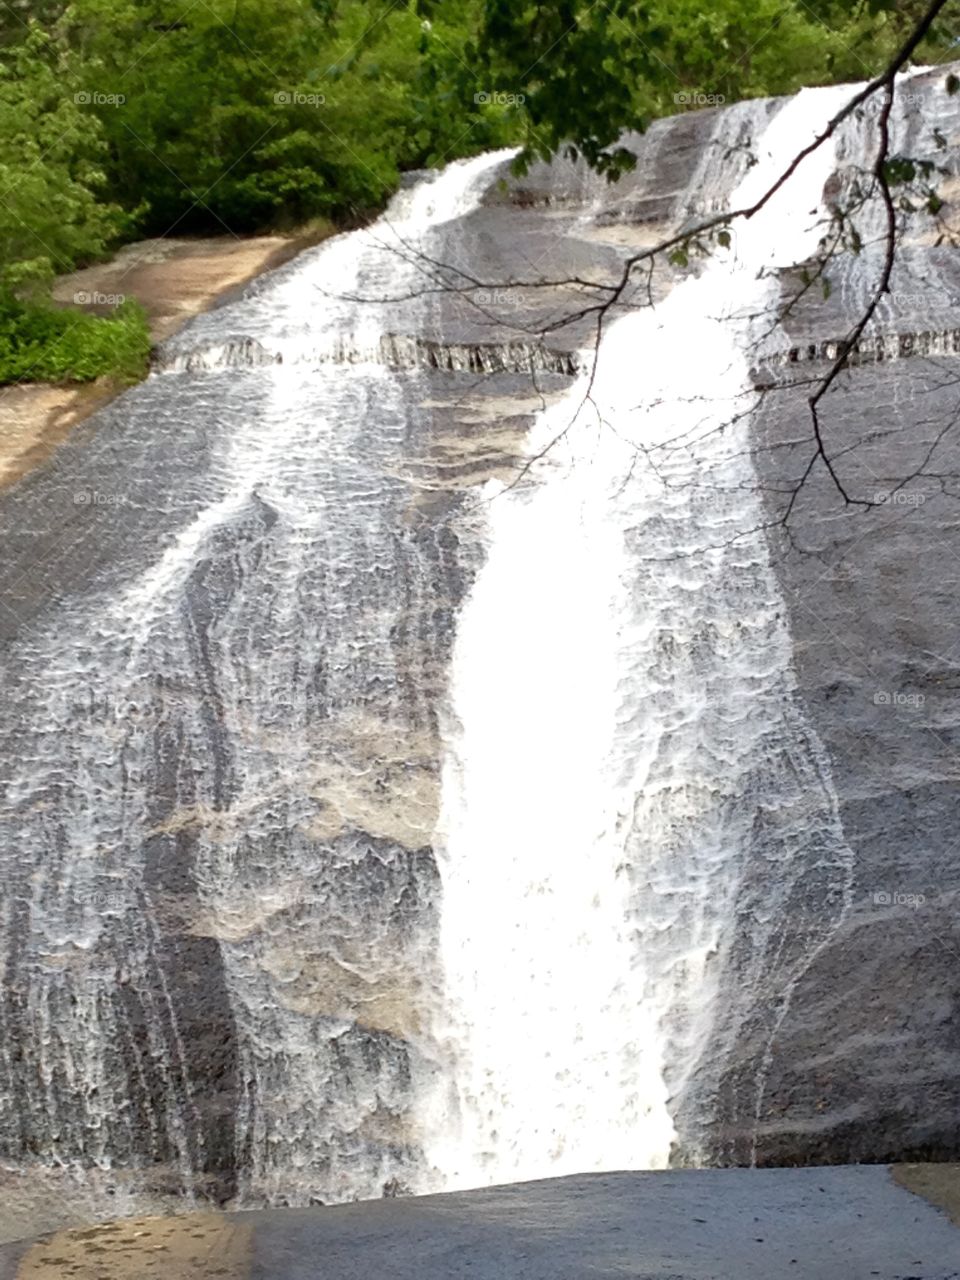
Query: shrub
<point x="41" y="343"/>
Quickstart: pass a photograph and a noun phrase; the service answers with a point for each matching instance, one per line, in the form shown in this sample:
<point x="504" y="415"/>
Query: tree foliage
<point x="239" y="114"/>
<point x="52" y="178"/>
<point x="231" y="113"/>
<point x="587" y="72"/>
<point x="121" y="118"/>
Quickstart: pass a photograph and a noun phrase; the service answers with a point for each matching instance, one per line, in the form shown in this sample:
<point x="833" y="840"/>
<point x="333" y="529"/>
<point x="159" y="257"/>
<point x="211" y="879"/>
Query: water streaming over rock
<point x="366" y="830"/>
<point x="628" y="741"/>
<point x="221" y="895"/>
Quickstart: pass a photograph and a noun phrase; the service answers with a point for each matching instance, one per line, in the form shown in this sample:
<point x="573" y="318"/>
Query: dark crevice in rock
<point x="873" y="350"/>
<point x="393" y="351"/>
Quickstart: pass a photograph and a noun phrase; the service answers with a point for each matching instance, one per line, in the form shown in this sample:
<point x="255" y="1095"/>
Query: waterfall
<point x="220" y="758"/>
<point x="624" y="735"/>
<point x="366" y="830"/>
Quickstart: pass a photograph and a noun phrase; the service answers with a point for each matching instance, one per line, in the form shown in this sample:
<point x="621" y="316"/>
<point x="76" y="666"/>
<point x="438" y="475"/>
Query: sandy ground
<point x="938" y="1183"/>
<point x="173" y="280"/>
<point x="195" y="1245"/>
<point x="854" y="1222"/>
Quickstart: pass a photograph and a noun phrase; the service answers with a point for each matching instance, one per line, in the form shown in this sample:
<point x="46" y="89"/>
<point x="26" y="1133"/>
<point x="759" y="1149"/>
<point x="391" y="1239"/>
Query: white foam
<point x="607" y="706"/>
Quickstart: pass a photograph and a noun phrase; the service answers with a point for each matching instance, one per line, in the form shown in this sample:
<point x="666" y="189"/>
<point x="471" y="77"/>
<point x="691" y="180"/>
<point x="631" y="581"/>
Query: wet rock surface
<point x="866" y="1065"/>
<point x="235" y="766"/>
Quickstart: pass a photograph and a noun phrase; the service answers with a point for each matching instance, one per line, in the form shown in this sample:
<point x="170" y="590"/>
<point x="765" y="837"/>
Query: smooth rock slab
<point x="853" y="1222"/>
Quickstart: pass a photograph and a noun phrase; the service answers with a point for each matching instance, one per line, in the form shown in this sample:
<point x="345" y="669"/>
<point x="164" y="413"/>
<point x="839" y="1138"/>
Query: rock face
<point x="867" y="1064"/>
<point x="870" y="1060"/>
<point x="229" y="604"/>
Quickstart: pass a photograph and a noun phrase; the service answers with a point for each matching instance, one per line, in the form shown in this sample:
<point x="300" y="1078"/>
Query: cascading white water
<point x="220" y="751"/>
<point x="236" y="745"/>
<point x="622" y="708"/>
<point x="313" y="314"/>
<point x="297" y="1006"/>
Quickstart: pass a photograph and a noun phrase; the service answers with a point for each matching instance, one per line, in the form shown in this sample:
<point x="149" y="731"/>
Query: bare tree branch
<point x="601" y="300"/>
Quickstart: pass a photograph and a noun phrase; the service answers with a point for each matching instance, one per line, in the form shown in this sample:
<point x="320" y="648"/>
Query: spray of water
<point x="621" y="706"/>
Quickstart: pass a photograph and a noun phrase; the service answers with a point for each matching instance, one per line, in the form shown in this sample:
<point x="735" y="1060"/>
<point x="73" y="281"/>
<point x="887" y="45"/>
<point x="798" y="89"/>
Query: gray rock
<point x="803" y="1224"/>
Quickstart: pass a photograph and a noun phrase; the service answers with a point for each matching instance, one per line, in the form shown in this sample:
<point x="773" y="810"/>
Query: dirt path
<point x="173" y="280"/>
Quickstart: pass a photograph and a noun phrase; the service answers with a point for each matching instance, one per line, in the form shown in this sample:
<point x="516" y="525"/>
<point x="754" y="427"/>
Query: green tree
<point x="240" y="115"/>
<point x="587" y="72"/>
<point x="52" y="212"/>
